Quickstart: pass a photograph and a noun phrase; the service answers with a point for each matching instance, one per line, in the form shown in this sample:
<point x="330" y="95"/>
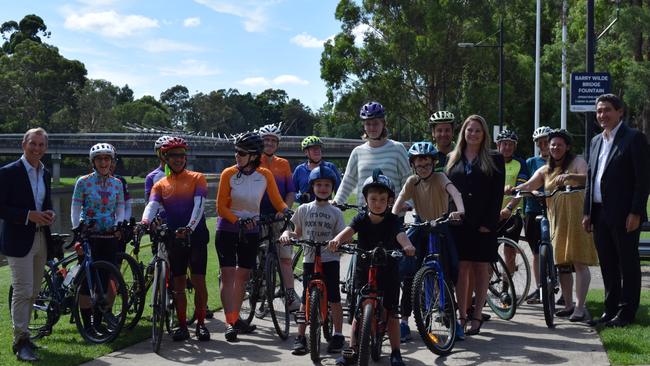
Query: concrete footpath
<point x="525" y="340"/>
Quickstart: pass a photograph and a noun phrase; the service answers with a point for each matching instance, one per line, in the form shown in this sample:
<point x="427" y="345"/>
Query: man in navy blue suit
<point x="25" y="216"/>
<point x="615" y="205"/>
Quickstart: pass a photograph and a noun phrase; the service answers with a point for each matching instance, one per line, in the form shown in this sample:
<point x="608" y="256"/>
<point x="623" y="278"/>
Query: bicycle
<point x="369" y="311"/>
<point x="317" y="314"/>
<point x="547" y="271"/>
<point x="433" y="300"/>
<point x="132" y="274"/>
<point x="516" y="259"/>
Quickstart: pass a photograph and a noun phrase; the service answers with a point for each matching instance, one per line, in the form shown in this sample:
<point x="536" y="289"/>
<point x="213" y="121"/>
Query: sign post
<point x="586" y="87"/>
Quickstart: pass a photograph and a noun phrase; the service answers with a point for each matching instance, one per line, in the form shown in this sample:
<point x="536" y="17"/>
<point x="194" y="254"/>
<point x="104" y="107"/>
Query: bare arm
<point x="406" y="244"/>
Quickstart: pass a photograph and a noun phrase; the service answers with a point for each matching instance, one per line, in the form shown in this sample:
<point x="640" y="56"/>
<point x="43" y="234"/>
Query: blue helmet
<point x="322" y="172"/>
<point x="372" y="110"/>
<point x="378" y="179"/>
<point x="423" y="148"/>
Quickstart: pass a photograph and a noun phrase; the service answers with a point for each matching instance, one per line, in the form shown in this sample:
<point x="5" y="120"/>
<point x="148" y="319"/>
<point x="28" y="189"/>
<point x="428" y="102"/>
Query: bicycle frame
<point x="315" y="280"/>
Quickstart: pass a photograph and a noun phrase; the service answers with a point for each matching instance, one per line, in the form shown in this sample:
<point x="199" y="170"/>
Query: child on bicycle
<point x="430" y="192"/>
<point x="378" y="227"/>
<point x="320" y="221"/>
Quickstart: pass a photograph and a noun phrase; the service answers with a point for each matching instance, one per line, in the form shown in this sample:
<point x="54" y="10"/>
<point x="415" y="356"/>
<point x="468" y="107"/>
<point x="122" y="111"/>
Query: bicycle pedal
<point x="300" y="317"/>
<point x="347" y="353"/>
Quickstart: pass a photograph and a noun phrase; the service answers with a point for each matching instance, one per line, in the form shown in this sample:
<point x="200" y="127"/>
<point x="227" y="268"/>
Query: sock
<point x="231" y="317"/>
<point x="395" y="352"/>
<point x="338" y="333"/>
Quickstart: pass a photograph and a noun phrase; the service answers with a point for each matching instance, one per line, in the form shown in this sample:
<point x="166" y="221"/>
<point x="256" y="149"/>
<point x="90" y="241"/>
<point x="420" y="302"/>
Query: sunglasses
<point x="242" y="153"/>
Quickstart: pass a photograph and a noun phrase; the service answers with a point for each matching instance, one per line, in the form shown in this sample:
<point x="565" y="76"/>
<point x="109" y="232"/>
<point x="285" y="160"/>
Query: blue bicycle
<point x="434" y="309"/>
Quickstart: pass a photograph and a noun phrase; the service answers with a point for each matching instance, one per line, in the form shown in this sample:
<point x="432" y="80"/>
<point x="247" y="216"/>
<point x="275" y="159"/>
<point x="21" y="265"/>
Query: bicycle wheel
<point x="46" y="310"/>
<point x="377" y="341"/>
<point x="296" y="264"/>
<point x="328" y="325"/>
<point x="349" y="290"/>
<point x="100" y="303"/>
<point x="521" y="274"/>
<point x="158" y="305"/>
<point x="315" y="321"/>
<point x="276" y="297"/>
<point x="134" y="280"/>
<point x="366" y="334"/>
<point x="501" y="296"/>
<point x="190" y="298"/>
<point x="254" y="292"/>
<point x="547" y="280"/>
<point x="434" y="318"/>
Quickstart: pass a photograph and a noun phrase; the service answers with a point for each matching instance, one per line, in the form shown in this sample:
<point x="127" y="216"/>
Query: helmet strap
<point x="269" y="155"/>
<point x="378" y="214"/>
<point x="420" y="179"/>
<point x="314" y="161"/>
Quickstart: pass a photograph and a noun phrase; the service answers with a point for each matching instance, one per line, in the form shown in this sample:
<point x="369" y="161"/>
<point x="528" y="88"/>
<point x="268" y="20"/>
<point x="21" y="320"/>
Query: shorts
<point x="284" y="252"/>
<point x="233" y="253"/>
<point x="388" y="281"/>
<point x="533" y="232"/>
<point x="331" y="277"/>
<point x="511" y="228"/>
<point x="195" y="256"/>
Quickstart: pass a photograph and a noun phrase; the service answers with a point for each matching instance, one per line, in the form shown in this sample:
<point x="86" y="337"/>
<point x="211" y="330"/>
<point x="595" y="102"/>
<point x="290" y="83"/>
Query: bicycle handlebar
<point x="540" y="195"/>
<point x="444" y="219"/>
<point x="352" y="249"/>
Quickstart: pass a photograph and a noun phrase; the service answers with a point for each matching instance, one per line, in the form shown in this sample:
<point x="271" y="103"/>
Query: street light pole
<point x="501" y="74"/>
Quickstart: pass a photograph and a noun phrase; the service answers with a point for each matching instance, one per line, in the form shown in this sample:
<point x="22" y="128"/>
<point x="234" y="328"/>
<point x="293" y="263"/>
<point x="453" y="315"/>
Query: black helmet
<point x="250" y="142"/>
<point x="507" y="135"/>
<point x="560" y="132"/>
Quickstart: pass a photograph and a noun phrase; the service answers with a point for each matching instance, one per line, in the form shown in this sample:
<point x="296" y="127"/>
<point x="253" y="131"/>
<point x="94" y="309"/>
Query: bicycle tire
<point x="436" y="322"/>
<point x="377" y="341"/>
<point x="350" y="291"/>
<point x="134" y="280"/>
<point x="114" y="319"/>
<point x="158" y="305"/>
<point x="314" y="323"/>
<point x="46" y="310"/>
<point x="253" y="289"/>
<point x="366" y="334"/>
<point x="501" y="295"/>
<point x="547" y="279"/>
<point x="276" y="297"/>
<point x="521" y="276"/>
<point x="328" y="325"/>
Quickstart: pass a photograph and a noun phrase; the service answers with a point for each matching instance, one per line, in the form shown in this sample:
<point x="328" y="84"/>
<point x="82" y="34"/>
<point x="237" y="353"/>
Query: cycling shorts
<point x="331" y="277"/>
<point x="195" y="256"/>
<point x="234" y="253"/>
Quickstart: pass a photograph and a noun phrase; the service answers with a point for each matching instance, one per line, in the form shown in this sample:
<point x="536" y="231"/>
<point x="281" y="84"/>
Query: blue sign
<point x="586" y="87"/>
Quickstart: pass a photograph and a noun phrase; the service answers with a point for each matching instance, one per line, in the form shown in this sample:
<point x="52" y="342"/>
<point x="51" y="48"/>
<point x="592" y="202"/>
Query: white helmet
<point x="159" y="143"/>
<point x="541" y="131"/>
<point x="271" y="130"/>
<point x="102" y="149"/>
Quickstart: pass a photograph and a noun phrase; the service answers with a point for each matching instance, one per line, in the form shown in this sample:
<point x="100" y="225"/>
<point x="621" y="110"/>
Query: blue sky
<point x="205" y="45"/>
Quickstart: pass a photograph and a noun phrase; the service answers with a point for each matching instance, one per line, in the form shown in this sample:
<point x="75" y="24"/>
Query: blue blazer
<point x="16" y="199"/>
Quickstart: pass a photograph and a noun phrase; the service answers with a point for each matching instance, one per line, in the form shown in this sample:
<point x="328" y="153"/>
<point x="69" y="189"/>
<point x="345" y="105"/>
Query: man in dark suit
<point x="25" y="216"/>
<point x="615" y="205"/>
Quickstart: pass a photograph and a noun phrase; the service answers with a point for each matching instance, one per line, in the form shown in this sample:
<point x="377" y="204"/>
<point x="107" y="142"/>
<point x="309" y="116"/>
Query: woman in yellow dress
<point x="573" y="247"/>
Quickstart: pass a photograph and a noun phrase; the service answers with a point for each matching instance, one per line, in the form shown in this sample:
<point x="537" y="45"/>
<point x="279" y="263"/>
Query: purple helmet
<point x="372" y="110"/>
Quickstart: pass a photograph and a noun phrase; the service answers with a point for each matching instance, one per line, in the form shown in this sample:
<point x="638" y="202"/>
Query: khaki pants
<point x="284" y="252"/>
<point x="26" y="278"/>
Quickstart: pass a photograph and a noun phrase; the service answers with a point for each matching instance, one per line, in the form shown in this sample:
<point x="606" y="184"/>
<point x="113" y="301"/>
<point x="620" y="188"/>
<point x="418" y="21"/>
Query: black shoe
<point x="560" y="301"/>
<point x="24" y="352"/>
<point x="202" y="333"/>
<point x="336" y="344"/>
<point x="617" y="322"/>
<point x="181" y="334"/>
<point x="231" y="333"/>
<point x="396" y="359"/>
<point x="243" y="327"/>
<point x="564" y="312"/>
<point x="300" y="346"/>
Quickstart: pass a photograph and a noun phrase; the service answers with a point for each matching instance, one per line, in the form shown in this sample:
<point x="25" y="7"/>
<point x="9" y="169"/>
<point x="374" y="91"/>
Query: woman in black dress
<point x="479" y="174"/>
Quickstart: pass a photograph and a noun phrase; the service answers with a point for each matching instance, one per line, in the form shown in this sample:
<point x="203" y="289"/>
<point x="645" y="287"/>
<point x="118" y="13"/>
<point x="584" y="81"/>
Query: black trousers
<point x="618" y="253"/>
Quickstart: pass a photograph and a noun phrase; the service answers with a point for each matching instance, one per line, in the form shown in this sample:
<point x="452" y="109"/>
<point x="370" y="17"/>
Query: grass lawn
<point x="66" y="347"/>
<point x="629" y="345"/>
<point x="70" y="181"/>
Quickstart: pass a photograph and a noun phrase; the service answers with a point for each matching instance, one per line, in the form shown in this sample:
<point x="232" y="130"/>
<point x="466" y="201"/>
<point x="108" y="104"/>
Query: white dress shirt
<point x="605" y="148"/>
<point x="37" y="182"/>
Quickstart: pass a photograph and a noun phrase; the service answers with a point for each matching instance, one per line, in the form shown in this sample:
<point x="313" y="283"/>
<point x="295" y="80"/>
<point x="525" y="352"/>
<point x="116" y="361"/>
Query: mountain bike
<point x="433" y="300"/>
<point x="317" y="314"/>
<point x="132" y="274"/>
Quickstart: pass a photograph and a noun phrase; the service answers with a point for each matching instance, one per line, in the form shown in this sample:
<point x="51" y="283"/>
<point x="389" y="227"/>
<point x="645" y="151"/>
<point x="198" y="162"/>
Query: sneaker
<point x="336" y="344"/>
<point x="560" y="301"/>
<point x="293" y="300"/>
<point x="533" y="298"/>
<point x="231" y="333"/>
<point x="202" y="333"/>
<point x="348" y="357"/>
<point x="300" y="346"/>
<point x="181" y="334"/>
<point x="404" y="332"/>
<point x="460" y="332"/>
<point x="396" y="359"/>
<point x="243" y="327"/>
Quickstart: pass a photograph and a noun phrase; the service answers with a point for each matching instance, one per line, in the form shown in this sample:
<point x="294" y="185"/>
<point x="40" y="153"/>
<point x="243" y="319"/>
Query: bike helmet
<point x="507" y="135"/>
<point x="372" y="110"/>
<point x="250" y="142"/>
<point x="271" y="130"/>
<point x="102" y="149"/>
<point x="310" y="141"/>
<point x="561" y="133"/>
<point x="378" y="179"/>
<point x="540" y="132"/>
<point x="322" y="172"/>
<point x="173" y="143"/>
<point x="441" y="117"/>
<point x="423" y="148"/>
<point x="159" y="142"/>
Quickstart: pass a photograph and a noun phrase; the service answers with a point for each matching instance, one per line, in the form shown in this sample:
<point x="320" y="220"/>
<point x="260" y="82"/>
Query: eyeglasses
<point x="176" y="156"/>
<point x="423" y="167"/>
<point x="241" y="153"/>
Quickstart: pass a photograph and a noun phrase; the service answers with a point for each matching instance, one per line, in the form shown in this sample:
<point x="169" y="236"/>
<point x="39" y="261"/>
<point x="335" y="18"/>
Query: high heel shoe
<point x="477" y="330"/>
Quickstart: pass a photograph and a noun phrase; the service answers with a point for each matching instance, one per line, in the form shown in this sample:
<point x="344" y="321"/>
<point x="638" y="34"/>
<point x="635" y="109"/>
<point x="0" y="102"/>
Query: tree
<point x="270" y="103"/>
<point x="96" y="102"/>
<point x="177" y="99"/>
<point x="145" y="111"/>
<point x="28" y="29"/>
<point x="125" y="95"/>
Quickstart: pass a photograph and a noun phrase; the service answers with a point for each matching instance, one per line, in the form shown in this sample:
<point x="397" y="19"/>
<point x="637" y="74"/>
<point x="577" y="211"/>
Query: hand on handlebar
<point x="333" y="245"/>
<point x="247" y="223"/>
<point x="285" y="239"/>
<point x="183" y="232"/>
<point x="409" y="250"/>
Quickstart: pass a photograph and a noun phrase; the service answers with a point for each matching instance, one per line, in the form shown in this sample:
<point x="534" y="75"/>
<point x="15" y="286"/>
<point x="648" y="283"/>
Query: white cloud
<point x="167" y="45"/>
<point x="116" y="76"/>
<point x="190" y="68"/>
<point x="262" y="82"/>
<point x="308" y="41"/>
<point x="253" y="12"/>
<point x="359" y="33"/>
<point x="109" y="23"/>
<point x="192" y="22"/>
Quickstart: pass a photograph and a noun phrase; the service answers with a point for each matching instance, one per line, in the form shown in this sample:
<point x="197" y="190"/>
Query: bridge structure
<point x="141" y="145"/>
